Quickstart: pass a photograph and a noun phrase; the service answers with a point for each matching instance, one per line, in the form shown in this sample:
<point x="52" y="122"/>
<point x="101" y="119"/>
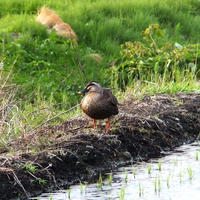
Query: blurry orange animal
<point x="49" y="18"/>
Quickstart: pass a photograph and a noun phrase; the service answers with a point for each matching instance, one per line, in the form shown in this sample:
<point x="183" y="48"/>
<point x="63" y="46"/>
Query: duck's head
<point x="92" y="86"/>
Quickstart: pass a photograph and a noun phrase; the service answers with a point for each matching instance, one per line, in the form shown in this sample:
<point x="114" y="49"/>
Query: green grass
<point x="49" y="64"/>
<point x="45" y="68"/>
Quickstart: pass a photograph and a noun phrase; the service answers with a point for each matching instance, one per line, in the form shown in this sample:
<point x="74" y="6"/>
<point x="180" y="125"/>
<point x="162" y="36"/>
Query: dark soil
<point x="73" y="151"/>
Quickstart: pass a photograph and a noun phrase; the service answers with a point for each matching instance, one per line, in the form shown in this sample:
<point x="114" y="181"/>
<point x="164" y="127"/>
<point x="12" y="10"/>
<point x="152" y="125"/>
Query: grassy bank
<point x="49" y="65"/>
<point x="44" y="70"/>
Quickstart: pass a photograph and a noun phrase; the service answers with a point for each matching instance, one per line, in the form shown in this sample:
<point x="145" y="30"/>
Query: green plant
<point x="109" y="179"/>
<point x="69" y="193"/>
<point x="190" y="173"/>
<point x="159" y="185"/>
<point x="122" y="193"/>
<point x="149" y="169"/>
<point x="167" y="180"/>
<point x="159" y="165"/>
<point x="41" y="181"/>
<point x="197" y="155"/>
<point x="49" y="62"/>
<point x="154" y="59"/>
<point x="100" y="182"/>
<point x="41" y="71"/>
<point x="30" y="167"/>
<point x="175" y="161"/>
<point x="133" y="171"/>
<point x="155" y="184"/>
<point x="125" y="176"/>
<point x="180" y="175"/>
<point x="140" y="190"/>
<point x="81" y="186"/>
<point x="85" y="186"/>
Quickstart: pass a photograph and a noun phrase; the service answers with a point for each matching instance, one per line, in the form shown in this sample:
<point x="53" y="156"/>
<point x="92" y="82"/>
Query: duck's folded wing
<point x="110" y="97"/>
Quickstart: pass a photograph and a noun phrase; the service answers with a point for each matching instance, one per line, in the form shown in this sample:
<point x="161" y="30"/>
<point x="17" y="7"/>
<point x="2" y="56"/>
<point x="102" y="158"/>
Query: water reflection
<point x="175" y="176"/>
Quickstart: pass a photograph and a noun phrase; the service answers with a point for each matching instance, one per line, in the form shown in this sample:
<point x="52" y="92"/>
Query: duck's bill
<point x="83" y="91"/>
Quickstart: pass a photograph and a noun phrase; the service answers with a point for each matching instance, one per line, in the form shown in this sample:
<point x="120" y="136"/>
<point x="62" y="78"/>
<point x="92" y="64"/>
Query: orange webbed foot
<point x="94" y="123"/>
<point x="108" y="124"/>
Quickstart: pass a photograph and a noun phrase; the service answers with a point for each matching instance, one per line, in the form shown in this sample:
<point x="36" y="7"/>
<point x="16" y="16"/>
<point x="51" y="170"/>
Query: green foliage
<point x="30" y="167"/>
<point x="44" y="69"/>
<point x="100" y="182"/>
<point x="49" y="64"/>
<point x="154" y="58"/>
<point x="122" y="193"/>
<point x="109" y="179"/>
<point x="69" y="193"/>
<point x="190" y="173"/>
<point x="41" y="181"/>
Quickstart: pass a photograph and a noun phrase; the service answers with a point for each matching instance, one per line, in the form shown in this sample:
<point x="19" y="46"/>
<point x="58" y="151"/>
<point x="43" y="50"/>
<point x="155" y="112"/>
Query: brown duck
<point x="99" y="103"/>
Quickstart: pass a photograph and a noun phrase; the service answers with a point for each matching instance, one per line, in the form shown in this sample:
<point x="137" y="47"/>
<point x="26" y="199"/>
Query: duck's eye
<point x="89" y="87"/>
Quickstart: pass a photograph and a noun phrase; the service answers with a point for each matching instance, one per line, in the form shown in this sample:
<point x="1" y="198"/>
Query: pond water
<point x="172" y="177"/>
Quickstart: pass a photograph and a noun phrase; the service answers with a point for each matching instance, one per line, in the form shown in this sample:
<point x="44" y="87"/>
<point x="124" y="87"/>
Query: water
<point x="172" y="177"/>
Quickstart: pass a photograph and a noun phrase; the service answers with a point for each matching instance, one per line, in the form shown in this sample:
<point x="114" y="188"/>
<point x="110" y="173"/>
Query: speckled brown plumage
<point x="99" y="103"/>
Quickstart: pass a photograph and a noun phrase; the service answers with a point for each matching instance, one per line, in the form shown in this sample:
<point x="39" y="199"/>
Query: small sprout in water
<point x="149" y="169"/>
<point x="155" y="184"/>
<point x="100" y="182"/>
<point x="125" y="176"/>
<point x="197" y="155"/>
<point x="122" y="193"/>
<point x="167" y="181"/>
<point x="140" y="190"/>
<point x="133" y="171"/>
<point x="159" y="165"/>
<point x="190" y="173"/>
<point x="180" y="176"/>
<point x="175" y="161"/>
<point x="109" y="179"/>
<point x="81" y="186"/>
<point x="159" y="184"/>
<point x="86" y="183"/>
<point x="69" y="193"/>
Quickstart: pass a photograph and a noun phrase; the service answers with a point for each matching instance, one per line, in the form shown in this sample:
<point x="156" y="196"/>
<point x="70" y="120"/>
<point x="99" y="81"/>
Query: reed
<point x="133" y="171"/>
<point x="190" y="173"/>
<point x="122" y="193"/>
<point x="100" y="182"/>
<point x="69" y="193"/>
<point x="159" y="165"/>
<point x="109" y="179"/>
<point x="149" y="169"/>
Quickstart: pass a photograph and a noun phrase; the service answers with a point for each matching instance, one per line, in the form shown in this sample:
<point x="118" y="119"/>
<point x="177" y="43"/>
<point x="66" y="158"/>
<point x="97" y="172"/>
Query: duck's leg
<point x="93" y="123"/>
<point x="108" y="124"/>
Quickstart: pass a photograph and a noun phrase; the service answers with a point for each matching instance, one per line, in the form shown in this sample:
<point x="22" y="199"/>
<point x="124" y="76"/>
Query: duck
<point x="98" y="103"/>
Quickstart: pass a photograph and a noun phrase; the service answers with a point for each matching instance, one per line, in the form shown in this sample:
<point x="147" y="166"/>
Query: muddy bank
<point x="72" y="151"/>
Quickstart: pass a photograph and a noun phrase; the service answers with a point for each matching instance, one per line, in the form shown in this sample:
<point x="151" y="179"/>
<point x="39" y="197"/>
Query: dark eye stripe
<point x="88" y="87"/>
<point x="90" y="84"/>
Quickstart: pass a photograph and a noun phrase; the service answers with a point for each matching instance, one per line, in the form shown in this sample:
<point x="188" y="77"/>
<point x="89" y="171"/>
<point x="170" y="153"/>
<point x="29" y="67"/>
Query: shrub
<point x="154" y="57"/>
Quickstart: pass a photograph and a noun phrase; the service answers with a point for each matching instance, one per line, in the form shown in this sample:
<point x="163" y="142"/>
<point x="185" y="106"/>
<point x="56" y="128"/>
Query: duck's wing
<point x="107" y="94"/>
